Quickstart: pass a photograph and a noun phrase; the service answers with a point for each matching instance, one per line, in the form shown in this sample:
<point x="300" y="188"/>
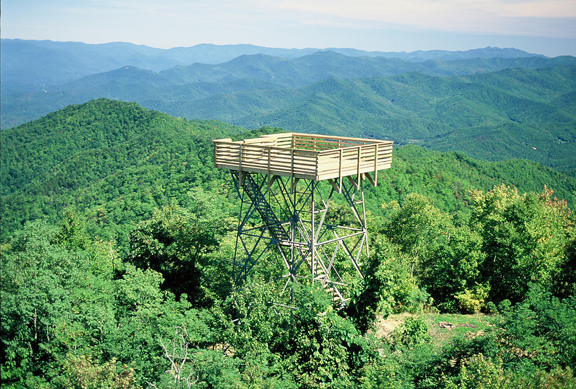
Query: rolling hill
<point x="256" y="72"/>
<point x="115" y="162"/>
<point x="514" y="113"/>
<point x="493" y="108"/>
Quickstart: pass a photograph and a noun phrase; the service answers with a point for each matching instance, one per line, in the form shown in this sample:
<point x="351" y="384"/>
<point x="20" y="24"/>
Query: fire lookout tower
<point x="288" y="183"/>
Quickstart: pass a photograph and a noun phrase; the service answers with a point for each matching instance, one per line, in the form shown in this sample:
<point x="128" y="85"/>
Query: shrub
<point x="412" y="332"/>
<point x="472" y="301"/>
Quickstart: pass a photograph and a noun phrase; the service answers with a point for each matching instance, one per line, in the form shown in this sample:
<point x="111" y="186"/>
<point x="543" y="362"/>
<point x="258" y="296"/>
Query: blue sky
<point x="539" y="26"/>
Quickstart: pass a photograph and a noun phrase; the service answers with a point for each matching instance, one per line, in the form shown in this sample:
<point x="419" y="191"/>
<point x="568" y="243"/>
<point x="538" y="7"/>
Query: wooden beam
<point x="340" y="169"/>
<point x="373" y="182"/>
<point x="358" y="163"/>
<point x="353" y="182"/>
<point x="294" y="183"/>
<point x="335" y="186"/>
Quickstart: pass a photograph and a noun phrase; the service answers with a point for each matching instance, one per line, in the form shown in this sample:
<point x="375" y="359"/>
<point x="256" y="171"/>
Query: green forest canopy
<point x="117" y="238"/>
<point x="115" y="161"/>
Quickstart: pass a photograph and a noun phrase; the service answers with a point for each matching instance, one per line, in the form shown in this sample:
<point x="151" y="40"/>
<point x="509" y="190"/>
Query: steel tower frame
<point x="288" y="184"/>
<point x="290" y="215"/>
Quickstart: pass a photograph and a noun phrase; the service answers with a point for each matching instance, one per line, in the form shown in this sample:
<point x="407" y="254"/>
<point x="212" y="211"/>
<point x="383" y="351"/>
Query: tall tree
<point x="525" y="238"/>
<point x="176" y="239"/>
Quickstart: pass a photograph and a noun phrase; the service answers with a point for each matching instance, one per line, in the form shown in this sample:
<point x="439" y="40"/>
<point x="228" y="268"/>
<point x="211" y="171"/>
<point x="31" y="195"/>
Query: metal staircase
<point x="282" y="237"/>
<point x="268" y="216"/>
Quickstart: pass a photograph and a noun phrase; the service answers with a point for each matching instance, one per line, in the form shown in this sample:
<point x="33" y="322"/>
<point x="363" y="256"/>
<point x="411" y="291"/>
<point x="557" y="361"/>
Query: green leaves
<point x="62" y="309"/>
<point x="543" y="327"/>
<point x="413" y="332"/>
<point x="425" y="248"/>
<point x="71" y="231"/>
<point x="83" y="373"/>
<point x="524" y="239"/>
<point x="51" y="301"/>
<point x="176" y="240"/>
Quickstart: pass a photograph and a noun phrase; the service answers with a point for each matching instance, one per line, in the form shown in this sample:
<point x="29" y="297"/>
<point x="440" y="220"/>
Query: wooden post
<point x="292" y="168"/>
<point x="269" y="177"/>
<point x="340" y="168"/>
<point x="376" y="164"/>
<point x="358" y="177"/>
<point x="241" y="179"/>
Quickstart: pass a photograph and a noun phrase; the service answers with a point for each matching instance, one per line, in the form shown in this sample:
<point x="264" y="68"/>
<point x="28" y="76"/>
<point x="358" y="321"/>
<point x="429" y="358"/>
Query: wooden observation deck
<point x="290" y="215"/>
<point x="305" y="156"/>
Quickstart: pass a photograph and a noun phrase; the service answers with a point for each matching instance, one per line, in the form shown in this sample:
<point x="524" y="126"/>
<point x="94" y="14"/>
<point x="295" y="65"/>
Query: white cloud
<point x="479" y="16"/>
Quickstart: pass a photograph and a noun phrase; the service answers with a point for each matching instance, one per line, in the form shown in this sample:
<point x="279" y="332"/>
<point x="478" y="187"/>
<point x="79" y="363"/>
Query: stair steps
<point x="279" y="233"/>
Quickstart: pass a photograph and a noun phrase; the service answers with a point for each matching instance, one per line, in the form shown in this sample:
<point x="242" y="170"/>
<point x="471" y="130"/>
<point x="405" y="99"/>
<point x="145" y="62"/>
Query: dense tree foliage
<point x="175" y="242"/>
<point x="116" y="162"/>
<point x="118" y="273"/>
<point x="508" y="241"/>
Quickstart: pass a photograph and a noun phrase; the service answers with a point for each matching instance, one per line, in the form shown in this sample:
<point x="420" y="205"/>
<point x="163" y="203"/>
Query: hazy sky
<point x="538" y="26"/>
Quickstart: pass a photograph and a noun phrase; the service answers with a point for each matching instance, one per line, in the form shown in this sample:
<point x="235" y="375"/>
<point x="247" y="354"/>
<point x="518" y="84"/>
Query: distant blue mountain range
<point x="32" y="64"/>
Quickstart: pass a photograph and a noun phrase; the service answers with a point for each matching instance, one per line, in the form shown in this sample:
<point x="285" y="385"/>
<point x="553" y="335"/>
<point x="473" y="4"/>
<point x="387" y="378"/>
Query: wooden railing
<point x="315" y="157"/>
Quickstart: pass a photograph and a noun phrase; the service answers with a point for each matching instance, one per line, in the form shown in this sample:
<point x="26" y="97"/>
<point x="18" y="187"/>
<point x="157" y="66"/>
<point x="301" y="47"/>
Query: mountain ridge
<point x="108" y="56"/>
<point x="413" y="107"/>
<point x="124" y="82"/>
<point x="517" y="104"/>
<point x="113" y="161"/>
